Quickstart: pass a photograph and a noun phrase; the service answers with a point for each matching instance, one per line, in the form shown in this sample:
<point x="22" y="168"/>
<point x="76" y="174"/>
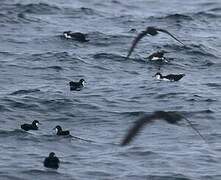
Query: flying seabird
<point x="151" y="31"/>
<point x="170" y="117"/>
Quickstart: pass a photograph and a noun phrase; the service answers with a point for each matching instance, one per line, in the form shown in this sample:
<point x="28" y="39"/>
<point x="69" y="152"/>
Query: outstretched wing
<point x="135" y="41"/>
<point x="165" y="31"/>
<point x="170" y="117"/>
<point x="135" y="129"/>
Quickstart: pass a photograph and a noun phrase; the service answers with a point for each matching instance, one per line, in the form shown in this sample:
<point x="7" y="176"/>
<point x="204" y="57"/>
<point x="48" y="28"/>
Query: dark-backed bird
<point x="169" y="77"/>
<point x="60" y="132"/>
<point x="51" y="161"/>
<point x="78" y="36"/>
<point x="32" y="126"/>
<point x="158" y="56"/>
<point x="151" y="31"/>
<point x="77" y="86"/>
<point x="170" y="117"/>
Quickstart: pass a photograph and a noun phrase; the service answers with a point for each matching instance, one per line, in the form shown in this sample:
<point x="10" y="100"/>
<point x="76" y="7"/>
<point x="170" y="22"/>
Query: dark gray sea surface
<point x="37" y="64"/>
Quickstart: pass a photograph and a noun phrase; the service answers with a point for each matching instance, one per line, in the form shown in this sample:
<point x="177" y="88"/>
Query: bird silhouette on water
<point x="169" y="77"/>
<point x="33" y="126"/>
<point x="78" y="36"/>
<point x="60" y="132"/>
<point x="76" y="86"/>
<point x="170" y="117"/>
<point x="51" y="161"/>
<point x="156" y="56"/>
<point x="153" y="31"/>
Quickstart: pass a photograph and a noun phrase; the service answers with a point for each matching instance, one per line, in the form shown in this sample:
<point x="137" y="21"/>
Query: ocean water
<point x="37" y="64"/>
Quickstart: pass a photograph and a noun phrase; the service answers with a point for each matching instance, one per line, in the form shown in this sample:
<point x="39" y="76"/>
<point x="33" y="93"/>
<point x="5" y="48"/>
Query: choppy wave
<point x="173" y="17"/>
<point x="39" y="8"/>
<point x="21" y="92"/>
<point x="36" y="65"/>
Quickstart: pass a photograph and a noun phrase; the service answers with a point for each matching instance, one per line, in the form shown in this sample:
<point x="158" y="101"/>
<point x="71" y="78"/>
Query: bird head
<point x="51" y="155"/>
<point x="67" y="34"/>
<point x="35" y="123"/>
<point x="158" y="75"/>
<point x="58" y="128"/>
<point x="82" y="81"/>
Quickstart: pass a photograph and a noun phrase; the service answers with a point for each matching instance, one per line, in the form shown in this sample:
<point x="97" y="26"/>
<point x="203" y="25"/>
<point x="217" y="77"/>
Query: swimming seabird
<point x="151" y="31"/>
<point x="156" y="56"/>
<point x="33" y="126"/>
<point x="170" y="117"/>
<point x="78" y="36"/>
<point x="169" y="77"/>
<point x="76" y="86"/>
<point x="51" y="161"/>
<point x="60" y="132"/>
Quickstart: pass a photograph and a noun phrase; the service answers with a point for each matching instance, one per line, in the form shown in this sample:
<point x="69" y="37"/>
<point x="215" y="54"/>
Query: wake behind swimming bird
<point x="60" y="132"/>
<point x="33" y="126"/>
<point x="169" y="77"/>
<point x="153" y="31"/>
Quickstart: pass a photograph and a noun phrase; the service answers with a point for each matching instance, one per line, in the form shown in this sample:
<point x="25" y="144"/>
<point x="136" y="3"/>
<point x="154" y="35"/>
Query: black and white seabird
<point x="151" y="31"/>
<point x="170" y="117"/>
<point x="78" y="36"/>
<point x="158" y="56"/>
<point x="33" y="126"/>
<point x="169" y="77"/>
<point x="77" y="86"/>
<point x="60" y="132"/>
<point x="51" y="161"/>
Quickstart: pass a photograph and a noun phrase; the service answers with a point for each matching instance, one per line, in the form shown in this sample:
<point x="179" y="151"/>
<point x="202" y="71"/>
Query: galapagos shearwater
<point x="51" y="161"/>
<point x="170" y="117"/>
<point x="33" y="126"/>
<point x="78" y="36"/>
<point x="60" y="132"/>
<point x="169" y="77"/>
<point x="77" y="86"/>
<point x="158" y="56"/>
<point x="153" y="31"/>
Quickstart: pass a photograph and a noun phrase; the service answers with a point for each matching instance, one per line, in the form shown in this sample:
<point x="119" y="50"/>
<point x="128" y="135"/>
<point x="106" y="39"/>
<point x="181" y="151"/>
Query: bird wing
<point x="170" y="117"/>
<point x="135" y="41"/>
<point x="56" y="160"/>
<point x="174" y="76"/>
<point x="26" y="127"/>
<point x="170" y="76"/>
<point x="135" y="129"/>
<point x="165" y="31"/>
